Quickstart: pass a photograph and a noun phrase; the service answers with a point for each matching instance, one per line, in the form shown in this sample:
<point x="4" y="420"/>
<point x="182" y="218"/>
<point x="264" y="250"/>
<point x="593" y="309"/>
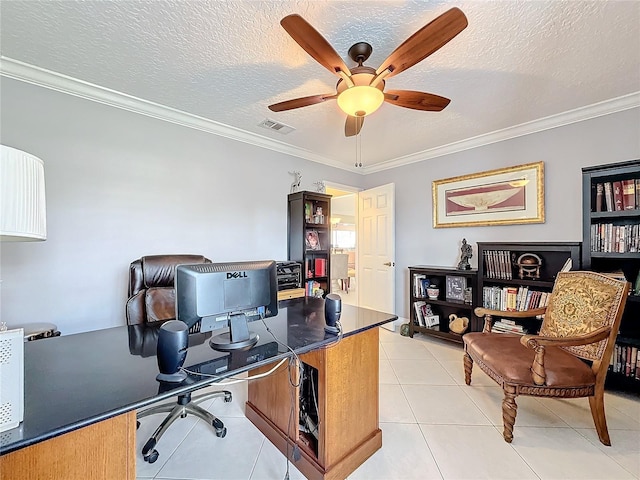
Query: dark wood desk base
<point x="348" y="431"/>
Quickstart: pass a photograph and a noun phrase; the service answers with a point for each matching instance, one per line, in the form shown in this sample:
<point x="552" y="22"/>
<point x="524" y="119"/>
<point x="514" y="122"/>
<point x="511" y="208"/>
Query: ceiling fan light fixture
<point x="360" y="100"/>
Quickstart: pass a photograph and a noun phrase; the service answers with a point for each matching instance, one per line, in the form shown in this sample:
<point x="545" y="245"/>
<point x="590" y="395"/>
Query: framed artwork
<point x="455" y="287"/>
<point x="506" y="196"/>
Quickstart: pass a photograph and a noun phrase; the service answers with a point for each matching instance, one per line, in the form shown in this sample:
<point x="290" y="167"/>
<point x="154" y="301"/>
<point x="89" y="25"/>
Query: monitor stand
<point x="238" y="337"/>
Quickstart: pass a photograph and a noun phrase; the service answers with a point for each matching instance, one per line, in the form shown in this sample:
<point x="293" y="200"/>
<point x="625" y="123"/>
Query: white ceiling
<point x="519" y="67"/>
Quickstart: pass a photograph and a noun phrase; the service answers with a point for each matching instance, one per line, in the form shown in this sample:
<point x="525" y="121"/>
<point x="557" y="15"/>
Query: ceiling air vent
<point x="277" y="126"/>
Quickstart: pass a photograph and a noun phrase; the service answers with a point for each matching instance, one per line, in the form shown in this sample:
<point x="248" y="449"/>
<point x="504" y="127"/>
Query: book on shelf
<point x="617" y="275"/>
<point x="625" y="361"/>
<point x="513" y="299"/>
<point x="505" y="325"/>
<point x="629" y="194"/>
<point x="599" y="197"/>
<point x="610" y="238"/>
<point x="313" y="289"/>
<point x="320" y="267"/>
<point x="617" y="196"/>
<point x="522" y="297"/>
<point x="511" y="294"/>
<point x="420" y="285"/>
<point x="419" y="315"/>
<point x="498" y="264"/>
<point x="608" y="196"/>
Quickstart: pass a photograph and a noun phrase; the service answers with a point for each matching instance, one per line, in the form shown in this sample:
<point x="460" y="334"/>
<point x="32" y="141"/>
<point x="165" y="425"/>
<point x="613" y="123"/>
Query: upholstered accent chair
<point x="569" y="357"/>
<point x="151" y="303"/>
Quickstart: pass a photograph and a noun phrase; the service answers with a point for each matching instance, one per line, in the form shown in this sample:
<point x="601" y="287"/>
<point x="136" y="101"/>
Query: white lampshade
<point x="22" y="196"/>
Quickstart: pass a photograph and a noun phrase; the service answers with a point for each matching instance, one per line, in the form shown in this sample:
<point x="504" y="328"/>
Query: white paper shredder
<point x="11" y="378"/>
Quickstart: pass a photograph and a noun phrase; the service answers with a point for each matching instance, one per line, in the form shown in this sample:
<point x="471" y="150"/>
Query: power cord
<point x="294" y="361"/>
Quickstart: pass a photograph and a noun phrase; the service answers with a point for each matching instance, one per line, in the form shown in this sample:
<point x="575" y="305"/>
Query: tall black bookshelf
<point x="309" y="239"/>
<point x="611" y="243"/>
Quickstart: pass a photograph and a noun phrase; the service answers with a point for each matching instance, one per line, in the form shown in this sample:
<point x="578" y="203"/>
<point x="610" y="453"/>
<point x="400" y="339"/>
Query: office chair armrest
<point x="488" y="315"/>
<point x="538" y="343"/>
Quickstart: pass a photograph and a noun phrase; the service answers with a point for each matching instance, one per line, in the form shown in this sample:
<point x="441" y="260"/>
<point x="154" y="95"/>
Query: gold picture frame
<point x="505" y="196"/>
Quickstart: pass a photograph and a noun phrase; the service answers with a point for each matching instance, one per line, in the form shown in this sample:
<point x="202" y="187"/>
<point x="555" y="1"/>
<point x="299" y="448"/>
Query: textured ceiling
<point x="516" y="62"/>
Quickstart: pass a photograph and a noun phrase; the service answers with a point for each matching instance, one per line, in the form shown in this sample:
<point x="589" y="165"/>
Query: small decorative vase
<point x="433" y="292"/>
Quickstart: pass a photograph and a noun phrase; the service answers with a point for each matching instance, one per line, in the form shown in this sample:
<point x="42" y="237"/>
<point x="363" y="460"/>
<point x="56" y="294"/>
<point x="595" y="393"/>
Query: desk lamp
<point x="22" y="218"/>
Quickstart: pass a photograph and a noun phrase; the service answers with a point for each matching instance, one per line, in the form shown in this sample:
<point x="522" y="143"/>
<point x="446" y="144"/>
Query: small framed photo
<point x="455" y="287"/>
<point x="312" y="240"/>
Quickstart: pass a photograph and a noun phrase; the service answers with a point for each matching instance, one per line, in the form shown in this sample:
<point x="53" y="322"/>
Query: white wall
<point x="564" y="150"/>
<point x="120" y="185"/>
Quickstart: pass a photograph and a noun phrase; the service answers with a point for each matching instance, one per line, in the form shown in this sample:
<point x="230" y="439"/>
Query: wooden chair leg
<point x="596" y="402"/>
<point x="468" y="366"/>
<point x="509" y="412"/>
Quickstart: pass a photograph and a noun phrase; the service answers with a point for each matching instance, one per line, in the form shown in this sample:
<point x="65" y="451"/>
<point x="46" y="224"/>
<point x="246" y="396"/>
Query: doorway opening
<point x="344" y="241"/>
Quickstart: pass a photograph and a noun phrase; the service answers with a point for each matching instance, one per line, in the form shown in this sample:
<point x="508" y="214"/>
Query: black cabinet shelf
<point x="491" y="291"/>
<point x="317" y="226"/>
<point x="443" y="307"/>
<point x="519" y="282"/>
<point x="594" y="179"/>
<point x="614" y="255"/>
<point x="615" y="215"/>
<point x="457" y="303"/>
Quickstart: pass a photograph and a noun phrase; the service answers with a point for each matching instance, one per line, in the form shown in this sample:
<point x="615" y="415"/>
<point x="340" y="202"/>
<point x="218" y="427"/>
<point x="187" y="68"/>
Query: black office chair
<point x="151" y="303"/>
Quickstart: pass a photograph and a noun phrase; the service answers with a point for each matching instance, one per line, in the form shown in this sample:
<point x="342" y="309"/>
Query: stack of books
<point x="507" y="326"/>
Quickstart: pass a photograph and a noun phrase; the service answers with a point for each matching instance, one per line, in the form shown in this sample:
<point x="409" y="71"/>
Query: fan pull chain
<point x="359" y="144"/>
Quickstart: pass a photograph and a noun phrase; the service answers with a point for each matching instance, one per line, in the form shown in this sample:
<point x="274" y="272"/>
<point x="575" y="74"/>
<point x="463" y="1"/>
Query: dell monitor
<point x="231" y="294"/>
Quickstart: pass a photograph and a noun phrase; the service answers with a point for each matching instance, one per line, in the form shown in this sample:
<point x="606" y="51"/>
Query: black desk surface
<point x="75" y="380"/>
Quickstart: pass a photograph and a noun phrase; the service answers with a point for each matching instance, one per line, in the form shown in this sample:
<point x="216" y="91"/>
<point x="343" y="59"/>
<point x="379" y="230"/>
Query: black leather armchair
<point x="151" y="303"/>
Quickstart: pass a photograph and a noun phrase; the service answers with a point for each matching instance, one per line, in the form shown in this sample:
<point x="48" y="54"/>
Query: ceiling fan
<point x="360" y="90"/>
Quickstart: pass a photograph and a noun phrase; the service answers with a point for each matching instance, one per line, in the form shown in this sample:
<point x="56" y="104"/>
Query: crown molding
<point x="626" y="102"/>
<point x="32" y="74"/>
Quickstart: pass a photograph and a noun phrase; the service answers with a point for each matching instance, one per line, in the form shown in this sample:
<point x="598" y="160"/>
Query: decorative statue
<point x="295" y="185"/>
<point x="320" y="187"/>
<point x="466" y="254"/>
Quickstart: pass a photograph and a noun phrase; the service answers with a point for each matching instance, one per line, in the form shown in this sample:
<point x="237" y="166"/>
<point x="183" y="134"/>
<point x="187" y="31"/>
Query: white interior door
<point x="376" y="248"/>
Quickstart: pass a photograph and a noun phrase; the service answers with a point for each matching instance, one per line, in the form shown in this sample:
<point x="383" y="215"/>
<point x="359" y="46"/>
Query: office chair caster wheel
<point x="219" y="427"/>
<point x="227" y="398"/>
<point x="152" y="456"/>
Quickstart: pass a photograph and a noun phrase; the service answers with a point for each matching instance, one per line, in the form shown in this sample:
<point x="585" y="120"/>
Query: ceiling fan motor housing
<point x="361" y="77"/>
<point x="360" y="52"/>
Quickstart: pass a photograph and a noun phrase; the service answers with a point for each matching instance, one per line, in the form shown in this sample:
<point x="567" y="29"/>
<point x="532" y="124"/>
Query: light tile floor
<point x="434" y="427"/>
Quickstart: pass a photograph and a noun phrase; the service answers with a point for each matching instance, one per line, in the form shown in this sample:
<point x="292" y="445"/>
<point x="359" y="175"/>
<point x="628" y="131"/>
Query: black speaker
<point x="332" y="310"/>
<point x="173" y="340"/>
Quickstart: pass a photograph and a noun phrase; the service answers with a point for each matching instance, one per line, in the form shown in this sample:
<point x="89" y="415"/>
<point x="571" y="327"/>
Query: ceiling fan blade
<point x="300" y="102"/>
<point x="416" y="100"/>
<point x="313" y="43"/>
<point x="425" y="41"/>
<point x="353" y="125"/>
